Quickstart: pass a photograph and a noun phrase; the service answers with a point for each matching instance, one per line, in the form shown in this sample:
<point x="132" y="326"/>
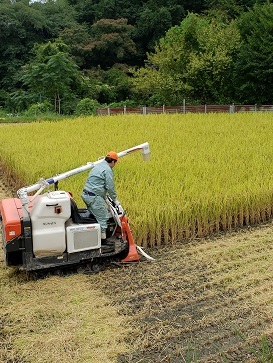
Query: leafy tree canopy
<point x="23" y="24"/>
<point x="193" y="61"/>
<point x="254" y="66"/>
<point x="51" y="73"/>
<point x="232" y="8"/>
<point x="110" y="42"/>
<point x="194" y="48"/>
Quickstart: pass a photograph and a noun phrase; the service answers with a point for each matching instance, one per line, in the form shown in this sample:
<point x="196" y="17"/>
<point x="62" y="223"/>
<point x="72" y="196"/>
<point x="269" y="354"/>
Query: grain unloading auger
<point x="45" y="231"/>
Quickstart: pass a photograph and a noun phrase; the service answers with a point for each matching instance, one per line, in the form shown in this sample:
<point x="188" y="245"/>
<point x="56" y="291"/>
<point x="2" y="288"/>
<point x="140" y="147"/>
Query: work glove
<point x="120" y="209"/>
<point x="118" y="206"/>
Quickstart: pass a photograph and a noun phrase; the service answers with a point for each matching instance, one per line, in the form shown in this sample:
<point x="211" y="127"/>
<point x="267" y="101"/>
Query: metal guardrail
<point x="183" y="109"/>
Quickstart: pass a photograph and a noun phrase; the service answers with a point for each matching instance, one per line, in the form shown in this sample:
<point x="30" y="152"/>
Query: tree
<point x="51" y="73"/>
<point x="152" y="25"/>
<point x="232" y="7"/>
<point x="58" y="14"/>
<point x="111" y="42"/>
<point x="154" y="19"/>
<point x="211" y="66"/>
<point x="163" y="79"/>
<point x="254" y="66"/>
<point x="77" y="39"/>
<point x="150" y="19"/>
<point x="193" y="61"/>
<point x="22" y="24"/>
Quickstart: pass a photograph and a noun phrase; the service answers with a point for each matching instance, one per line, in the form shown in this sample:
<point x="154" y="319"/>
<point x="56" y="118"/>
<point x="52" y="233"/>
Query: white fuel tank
<point x="48" y="217"/>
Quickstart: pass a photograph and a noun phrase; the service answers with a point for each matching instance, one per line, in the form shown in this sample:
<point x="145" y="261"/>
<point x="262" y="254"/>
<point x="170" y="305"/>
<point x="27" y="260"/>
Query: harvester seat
<point x="81" y="215"/>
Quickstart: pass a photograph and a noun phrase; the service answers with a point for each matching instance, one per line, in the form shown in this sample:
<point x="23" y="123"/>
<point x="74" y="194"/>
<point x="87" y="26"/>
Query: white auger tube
<point x="45" y="183"/>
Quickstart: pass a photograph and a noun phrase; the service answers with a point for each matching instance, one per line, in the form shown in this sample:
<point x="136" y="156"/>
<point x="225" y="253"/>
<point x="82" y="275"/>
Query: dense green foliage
<point x="254" y="65"/>
<point x="146" y="52"/>
<point x="86" y="107"/>
<point x="193" y="61"/>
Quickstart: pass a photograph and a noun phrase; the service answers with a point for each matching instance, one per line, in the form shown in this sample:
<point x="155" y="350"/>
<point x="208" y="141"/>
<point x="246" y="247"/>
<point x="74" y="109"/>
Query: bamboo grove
<point x="208" y="172"/>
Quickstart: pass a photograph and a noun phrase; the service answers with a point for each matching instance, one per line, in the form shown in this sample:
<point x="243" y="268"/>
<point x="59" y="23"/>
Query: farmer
<point x="100" y="182"/>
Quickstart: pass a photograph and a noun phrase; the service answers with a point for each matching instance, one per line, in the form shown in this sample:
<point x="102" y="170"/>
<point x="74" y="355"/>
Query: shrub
<point x="87" y="106"/>
<point x="39" y="108"/>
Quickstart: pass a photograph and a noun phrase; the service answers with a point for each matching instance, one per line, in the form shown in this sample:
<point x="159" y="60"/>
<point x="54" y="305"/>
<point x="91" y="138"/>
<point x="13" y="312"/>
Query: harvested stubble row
<point x="208" y="172"/>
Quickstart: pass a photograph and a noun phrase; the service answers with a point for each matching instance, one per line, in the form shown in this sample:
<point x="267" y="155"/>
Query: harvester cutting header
<point x="45" y="231"/>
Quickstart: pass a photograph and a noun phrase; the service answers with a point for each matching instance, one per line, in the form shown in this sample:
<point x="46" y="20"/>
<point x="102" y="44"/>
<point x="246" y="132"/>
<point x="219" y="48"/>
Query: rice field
<point x="208" y="172"/>
<point x="208" y="300"/>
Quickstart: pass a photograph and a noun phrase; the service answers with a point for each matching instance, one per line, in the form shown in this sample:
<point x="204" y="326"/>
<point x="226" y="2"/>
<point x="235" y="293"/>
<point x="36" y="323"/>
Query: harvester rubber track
<point x="111" y="254"/>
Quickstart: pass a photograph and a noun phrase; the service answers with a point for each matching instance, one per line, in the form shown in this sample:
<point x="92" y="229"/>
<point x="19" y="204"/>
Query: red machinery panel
<point x="11" y="211"/>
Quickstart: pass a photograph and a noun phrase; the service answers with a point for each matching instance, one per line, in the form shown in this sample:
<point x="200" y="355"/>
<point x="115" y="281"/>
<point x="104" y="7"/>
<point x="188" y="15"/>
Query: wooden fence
<point x="183" y="109"/>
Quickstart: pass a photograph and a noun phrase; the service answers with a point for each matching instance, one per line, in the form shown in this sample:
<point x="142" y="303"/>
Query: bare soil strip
<point x="208" y="300"/>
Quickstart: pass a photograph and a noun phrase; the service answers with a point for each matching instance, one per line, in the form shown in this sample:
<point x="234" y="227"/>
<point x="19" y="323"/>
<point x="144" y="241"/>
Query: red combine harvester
<point x="48" y="231"/>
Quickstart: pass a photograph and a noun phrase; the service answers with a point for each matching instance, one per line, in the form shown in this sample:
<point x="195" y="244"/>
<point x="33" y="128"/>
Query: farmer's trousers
<point x="96" y="205"/>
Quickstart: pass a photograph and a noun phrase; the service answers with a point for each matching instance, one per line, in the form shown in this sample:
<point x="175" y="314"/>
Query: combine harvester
<point x="49" y="232"/>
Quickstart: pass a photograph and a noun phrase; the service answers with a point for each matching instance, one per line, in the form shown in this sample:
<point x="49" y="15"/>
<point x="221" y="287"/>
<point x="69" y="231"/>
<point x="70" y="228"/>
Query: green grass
<point x="11" y="118"/>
